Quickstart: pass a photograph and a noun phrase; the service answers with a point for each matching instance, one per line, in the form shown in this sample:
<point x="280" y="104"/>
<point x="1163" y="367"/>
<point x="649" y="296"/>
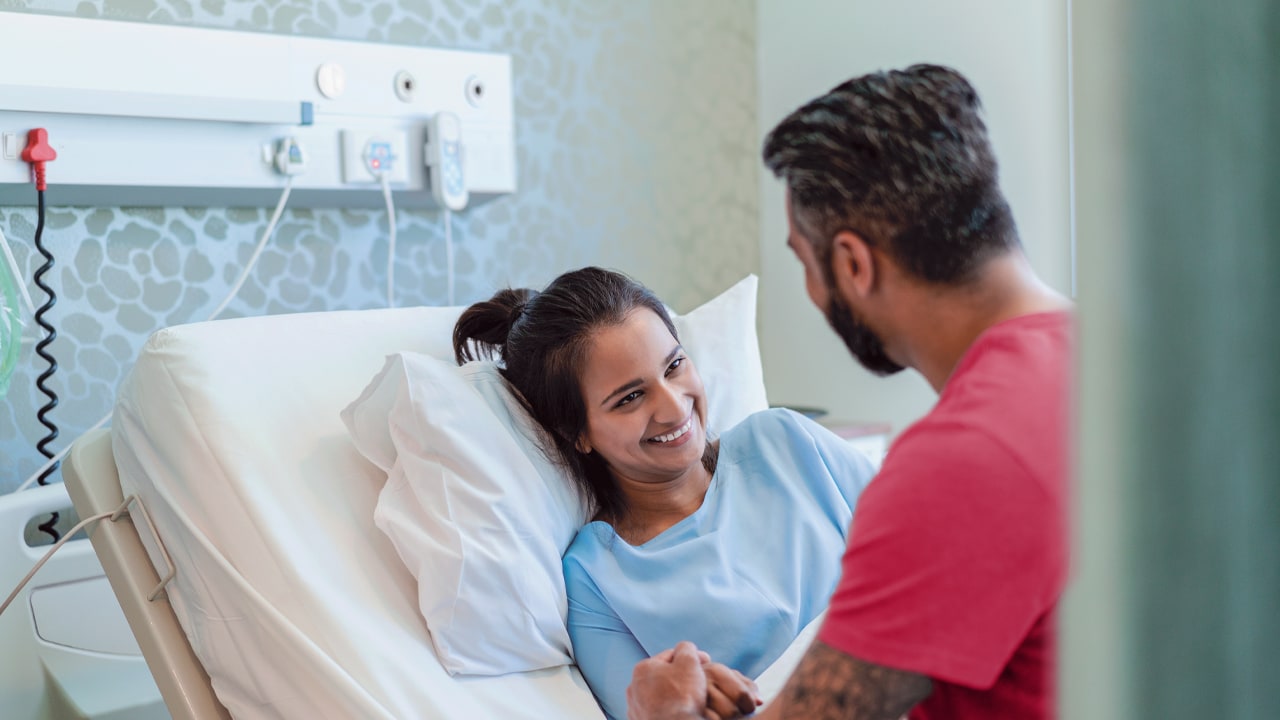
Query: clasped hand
<point x="683" y="683"/>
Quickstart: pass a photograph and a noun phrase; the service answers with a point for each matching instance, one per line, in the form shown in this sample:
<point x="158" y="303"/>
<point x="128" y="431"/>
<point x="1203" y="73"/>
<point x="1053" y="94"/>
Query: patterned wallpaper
<point x="637" y="150"/>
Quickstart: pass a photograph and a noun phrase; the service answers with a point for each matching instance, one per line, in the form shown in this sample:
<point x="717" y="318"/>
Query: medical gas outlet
<point x="368" y="155"/>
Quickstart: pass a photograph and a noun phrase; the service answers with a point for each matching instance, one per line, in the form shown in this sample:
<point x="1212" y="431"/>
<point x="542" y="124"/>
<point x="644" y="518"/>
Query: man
<point x="958" y="551"/>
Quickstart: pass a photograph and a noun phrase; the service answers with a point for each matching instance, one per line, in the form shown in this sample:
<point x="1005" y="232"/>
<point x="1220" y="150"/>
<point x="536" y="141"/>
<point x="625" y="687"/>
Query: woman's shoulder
<point x="780" y="437"/>
<point x="768" y="437"/>
<point x="774" y="425"/>
<point x="593" y="539"/>
<point x="587" y="557"/>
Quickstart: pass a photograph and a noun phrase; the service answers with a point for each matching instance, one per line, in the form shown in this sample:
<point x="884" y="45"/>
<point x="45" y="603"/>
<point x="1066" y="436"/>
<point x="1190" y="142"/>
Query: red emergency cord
<point x="39" y="152"/>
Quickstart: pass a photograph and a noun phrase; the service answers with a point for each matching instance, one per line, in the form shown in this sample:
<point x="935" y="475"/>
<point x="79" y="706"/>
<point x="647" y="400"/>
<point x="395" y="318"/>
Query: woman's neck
<point x="653" y="507"/>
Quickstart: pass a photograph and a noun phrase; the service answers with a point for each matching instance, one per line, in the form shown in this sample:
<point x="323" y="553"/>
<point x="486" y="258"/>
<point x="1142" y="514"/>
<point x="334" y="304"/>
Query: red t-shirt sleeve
<point x="951" y="559"/>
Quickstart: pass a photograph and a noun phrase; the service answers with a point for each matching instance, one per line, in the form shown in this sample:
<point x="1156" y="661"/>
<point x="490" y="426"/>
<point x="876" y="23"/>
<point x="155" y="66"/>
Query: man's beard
<point x="861" y="341"/>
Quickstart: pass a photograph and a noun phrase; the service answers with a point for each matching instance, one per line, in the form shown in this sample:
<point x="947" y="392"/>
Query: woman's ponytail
<point x="482" y="330"/>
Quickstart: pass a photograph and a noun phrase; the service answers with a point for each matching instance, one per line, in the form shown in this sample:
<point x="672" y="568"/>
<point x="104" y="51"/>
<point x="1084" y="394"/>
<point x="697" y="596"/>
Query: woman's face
<point x="646" y="409"/>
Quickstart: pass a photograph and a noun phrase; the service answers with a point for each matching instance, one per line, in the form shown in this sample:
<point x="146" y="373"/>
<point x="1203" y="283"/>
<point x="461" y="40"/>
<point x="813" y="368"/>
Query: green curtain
<point x="1175" y="607"/>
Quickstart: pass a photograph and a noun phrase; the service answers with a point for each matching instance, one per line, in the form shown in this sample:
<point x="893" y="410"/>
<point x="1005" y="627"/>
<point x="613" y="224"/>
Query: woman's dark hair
<point x="541" y="339"/>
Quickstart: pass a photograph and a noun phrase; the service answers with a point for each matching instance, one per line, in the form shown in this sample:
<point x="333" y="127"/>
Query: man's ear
<point x="852" y="264"/>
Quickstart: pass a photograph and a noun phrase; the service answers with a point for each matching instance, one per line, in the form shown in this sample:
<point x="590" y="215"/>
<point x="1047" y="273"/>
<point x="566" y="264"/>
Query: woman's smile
<point x="676" y="437"/>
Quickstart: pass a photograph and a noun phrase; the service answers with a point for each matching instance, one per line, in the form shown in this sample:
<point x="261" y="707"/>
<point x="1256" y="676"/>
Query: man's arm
<point x="831" y="685"/>
<point x="828" y="685"/>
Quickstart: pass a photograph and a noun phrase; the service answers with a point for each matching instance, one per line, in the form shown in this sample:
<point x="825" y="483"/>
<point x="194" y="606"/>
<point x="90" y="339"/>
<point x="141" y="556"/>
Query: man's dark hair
<point x="902" y="159"/>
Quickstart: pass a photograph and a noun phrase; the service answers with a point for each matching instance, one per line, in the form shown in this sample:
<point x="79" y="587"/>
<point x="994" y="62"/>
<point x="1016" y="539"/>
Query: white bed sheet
<point x="297" y="606"/>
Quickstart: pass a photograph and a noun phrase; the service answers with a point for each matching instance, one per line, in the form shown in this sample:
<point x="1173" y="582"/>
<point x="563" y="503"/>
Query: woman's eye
<point x="629" y="397"/>
<point x="675" y="364"/>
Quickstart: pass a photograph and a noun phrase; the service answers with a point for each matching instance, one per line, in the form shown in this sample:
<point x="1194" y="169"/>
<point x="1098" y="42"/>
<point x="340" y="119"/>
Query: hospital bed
<point x="242" y="545"/>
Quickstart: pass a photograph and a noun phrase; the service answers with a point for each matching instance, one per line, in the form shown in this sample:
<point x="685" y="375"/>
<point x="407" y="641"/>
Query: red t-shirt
<point x="958" y="551"/>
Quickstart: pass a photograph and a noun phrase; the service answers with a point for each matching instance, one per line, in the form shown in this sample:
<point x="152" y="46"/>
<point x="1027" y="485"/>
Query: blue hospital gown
<point x="740" y="577"/>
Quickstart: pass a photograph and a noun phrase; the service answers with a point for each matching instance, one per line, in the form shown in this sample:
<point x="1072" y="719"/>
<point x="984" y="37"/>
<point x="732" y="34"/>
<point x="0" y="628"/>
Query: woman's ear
<point x="582" y="444"/>
<point x="852" y="264"/>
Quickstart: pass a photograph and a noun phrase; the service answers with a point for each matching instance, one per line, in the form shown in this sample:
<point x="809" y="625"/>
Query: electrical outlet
<point x="367" y="153"/>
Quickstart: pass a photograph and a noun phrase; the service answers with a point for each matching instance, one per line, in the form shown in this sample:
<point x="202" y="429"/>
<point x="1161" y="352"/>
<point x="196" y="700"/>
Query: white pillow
<point x="720" y="336"/>
<point x="477" y="511"/>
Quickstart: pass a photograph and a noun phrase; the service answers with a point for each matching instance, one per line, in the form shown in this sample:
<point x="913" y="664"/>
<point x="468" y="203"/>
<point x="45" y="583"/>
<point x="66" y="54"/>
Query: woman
<point x="732" y="543"/>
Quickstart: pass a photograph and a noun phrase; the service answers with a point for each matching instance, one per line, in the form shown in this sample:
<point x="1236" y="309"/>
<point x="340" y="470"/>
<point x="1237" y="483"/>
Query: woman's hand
<point x="730" y="694"/>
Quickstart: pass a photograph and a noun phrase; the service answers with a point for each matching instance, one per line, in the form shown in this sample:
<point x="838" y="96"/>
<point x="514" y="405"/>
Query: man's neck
<point x="945" y="322"/>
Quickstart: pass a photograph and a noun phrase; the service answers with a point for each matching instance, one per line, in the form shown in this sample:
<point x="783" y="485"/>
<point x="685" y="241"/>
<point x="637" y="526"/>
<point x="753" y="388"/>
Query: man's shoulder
<point x="1007" y="402"/>
<point x="944" y="481"/>
<point x="1038" y="345"/>
<point x="941" y="445"/>
<point x="946" y="458"/>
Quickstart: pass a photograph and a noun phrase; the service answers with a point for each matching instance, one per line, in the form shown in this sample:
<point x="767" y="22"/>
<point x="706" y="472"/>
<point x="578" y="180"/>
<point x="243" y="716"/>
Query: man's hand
<point x="671" y="685"/>
<point x="730" y="694"/>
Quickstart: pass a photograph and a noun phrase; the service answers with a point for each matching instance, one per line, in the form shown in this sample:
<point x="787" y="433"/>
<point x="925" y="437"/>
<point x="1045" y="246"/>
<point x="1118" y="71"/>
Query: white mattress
<point x="297" y="606"/>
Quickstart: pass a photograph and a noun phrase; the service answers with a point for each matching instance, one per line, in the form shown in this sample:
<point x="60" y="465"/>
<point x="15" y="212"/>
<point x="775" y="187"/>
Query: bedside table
<point x="869" y="438"/>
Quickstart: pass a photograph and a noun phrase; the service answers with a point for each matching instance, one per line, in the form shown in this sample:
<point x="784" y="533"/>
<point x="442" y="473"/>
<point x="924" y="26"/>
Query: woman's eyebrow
<point x="638" y="382"/>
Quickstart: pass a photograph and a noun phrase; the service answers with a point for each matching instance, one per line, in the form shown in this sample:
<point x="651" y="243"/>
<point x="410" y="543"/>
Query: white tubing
<point x="448" y="255"/>
<point x="391" y="240"/>
<point x="17" y="274"/>
<point x="56" y="546"/>
<point x="262" y="243"/>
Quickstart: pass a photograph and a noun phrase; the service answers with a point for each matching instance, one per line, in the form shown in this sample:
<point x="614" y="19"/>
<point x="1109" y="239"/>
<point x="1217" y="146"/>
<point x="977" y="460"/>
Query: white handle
<point x="16" y="510"/>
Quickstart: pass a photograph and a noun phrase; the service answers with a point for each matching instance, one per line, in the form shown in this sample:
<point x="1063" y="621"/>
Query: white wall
<point x="1097" y="680"/>
<point x="1015" y="53"/>
<point x="636" y="137"/>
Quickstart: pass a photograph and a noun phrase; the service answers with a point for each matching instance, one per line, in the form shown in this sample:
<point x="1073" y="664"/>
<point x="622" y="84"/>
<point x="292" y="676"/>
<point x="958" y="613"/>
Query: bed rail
<point x="94" y="486"/>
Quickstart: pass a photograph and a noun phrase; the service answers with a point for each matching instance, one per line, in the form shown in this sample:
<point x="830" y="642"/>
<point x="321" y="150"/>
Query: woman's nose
<point x="670" y="408"/>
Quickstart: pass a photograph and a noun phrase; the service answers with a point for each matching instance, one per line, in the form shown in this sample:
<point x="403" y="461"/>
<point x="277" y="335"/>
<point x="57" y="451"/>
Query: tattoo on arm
<point x="831" y="685"/>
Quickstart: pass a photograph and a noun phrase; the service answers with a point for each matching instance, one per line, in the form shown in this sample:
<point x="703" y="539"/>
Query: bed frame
<point x="93" y="483"/>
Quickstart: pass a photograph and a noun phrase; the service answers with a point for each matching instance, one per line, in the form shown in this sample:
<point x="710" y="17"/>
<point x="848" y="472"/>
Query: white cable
<point x="17" y="274"/>
<point x="56" y="546"/>
<point x="262" y="243"/>
<point x="448" y="255"/>
<point x="391" y="240"/>
<point x="244" y="275"/>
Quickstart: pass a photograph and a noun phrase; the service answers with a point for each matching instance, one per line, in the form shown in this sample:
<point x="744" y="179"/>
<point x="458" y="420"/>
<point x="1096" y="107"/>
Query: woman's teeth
<point x="686" y="427"/>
